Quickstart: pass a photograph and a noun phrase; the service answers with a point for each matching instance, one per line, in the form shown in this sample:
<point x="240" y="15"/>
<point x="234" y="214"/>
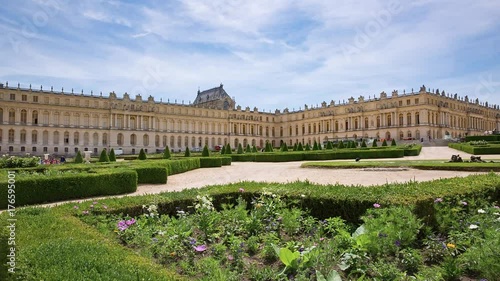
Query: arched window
<point x="11" y="136"/>
<point x="119" y="139"/>
<point x="133" y="139"/>
<point x="76" y="138"/>
<point x="12" y="116"/>
<point x="34" y="137"/>
<point x="24" y="116"/>
<point x="23" y="136"/>
<point x="145" y="140"/>
<point x="408" y="119"/>
<point x="55" y="137"/>
<point x="34" y="118"/>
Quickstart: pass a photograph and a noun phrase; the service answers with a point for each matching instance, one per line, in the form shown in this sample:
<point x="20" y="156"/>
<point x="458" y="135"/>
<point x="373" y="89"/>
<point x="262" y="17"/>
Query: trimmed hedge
<point x="478" y="150"/>
<point x="226" y="161"/>
<point x="35" y="189"/>
<point x="278" y="157"/>
<point x="151" y="174"/>
<point x="413" y="151"/>
<point x="243" y="157"/>
<point x="485" y="138"/>
<point x="208" y="162"/>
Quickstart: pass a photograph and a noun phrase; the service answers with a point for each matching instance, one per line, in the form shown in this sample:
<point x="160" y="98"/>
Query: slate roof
<point x="217" y="93"/>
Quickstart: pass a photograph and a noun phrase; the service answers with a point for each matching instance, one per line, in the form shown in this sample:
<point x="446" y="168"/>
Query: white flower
<point x="161" y="233"/>
<point x="496" y="214"/>
<point x="302" y="195"/>
<point x="481" y="211"/>
<point x="473" y="226"/>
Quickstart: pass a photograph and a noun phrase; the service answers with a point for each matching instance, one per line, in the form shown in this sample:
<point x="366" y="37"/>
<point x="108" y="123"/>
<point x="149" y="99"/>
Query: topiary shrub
<point x="308" y="147"/>
<point x="363" y="143"/>
<point x="300" y="147"/>
<point x="205" y="152"/>
<point x="187" y="153"/>
<point x="210" y="162"/>
<point x="315" y="146"/>
<point x="166" y="153"/>
<point x="240" y="149"/>
<point x="393" y="142"/>
<point x="248" y="149"/>
<point x="112" y="156"/>
<point x="374" y="144"/>
<point x="254" y="149"/>
<point x="384" y="143"/>
<point x="223" y="150"/>
<point x="285" y="147"/>
<point x="142" y="155"/>
<point x="340" y="145"/>
<point x="78" y="157"/>
<point x="295" y="147"/>
<point x="104" y="156"/>
<point x="268" y="147"/>
<point x="329" y="145"/>
<point x="228" y="149"/>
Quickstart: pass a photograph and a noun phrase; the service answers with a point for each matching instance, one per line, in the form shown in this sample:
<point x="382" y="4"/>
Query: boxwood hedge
<point x="207" y="162"/>
<point x="478" y="150"/>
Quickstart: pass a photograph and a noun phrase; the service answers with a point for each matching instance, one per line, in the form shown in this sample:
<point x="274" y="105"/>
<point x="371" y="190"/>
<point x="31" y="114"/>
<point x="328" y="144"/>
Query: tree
<point x="223" y="150"/>
<point x="187" y="152"/>
<point x="363" y="143"/>
<point x="384" y="143"/>
<point x="142" y="155"/>
<point x="228" y="149"/>
<point x="248" y="148"/>
<point x="104" y="156"/>
<point x="393" y="142"/>
<point x="329" y="145"/>
<point x="295" y="147"/>
<point x="112" y="156"/>
<point x="268" y="147"/>
<point x="166" y="153"/>
<point x="374" y="144"/>
<point x="285" y="147"/>
<point x="308" y="147"/>
<point x="340" y="145"/>
<point x="315" y="145"/>
<point x="254" y="149"/>
<point x="78" y="157"/>
<point x="300" y="147"/>
<point x="240" y="149"/>
<point x="205" y="152"/>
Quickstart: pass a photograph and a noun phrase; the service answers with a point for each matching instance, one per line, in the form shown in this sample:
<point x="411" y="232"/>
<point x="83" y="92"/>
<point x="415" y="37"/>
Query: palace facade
<point x="61" y="123"/>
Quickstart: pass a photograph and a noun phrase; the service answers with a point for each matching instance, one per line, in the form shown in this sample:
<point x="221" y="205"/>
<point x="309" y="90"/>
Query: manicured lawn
<point x="416" y="164"/>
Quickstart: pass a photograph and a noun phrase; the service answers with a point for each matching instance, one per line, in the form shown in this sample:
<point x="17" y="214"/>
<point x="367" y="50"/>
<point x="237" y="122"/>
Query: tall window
<point x="34" y="137"/>
<point x="23" y="136"/>
<point x="11" y="136"/>
<point x="408" y="119"/>
<point x="133" y="139"/>
<point x="12" y="116"/>
<point x="24" y="116"/>
<point x="76" y="138"/>
<point x="56" y="138"/>
<point x="34" y="118"/>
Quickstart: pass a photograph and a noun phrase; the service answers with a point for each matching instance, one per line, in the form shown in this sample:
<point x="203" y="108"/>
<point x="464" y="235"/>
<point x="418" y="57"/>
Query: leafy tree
<point x="187" y="153"/>
<point x="308" y="147"/>
<point x="240" y="149"/>
<point x="104" y="156"/>
<point x="78" y="157"/>
<point x="228" y="149"/>
<point x="166" y="153"/>
<point x="142" y="155"/>
<point x="340" y="145"/>
<point x="384" y="143"/>
<point x="363" y="143"/>
<point x="374" y="144"/>
<point x="300" y="147"/>
<point x="205" y="152"/>
<point x="248" y="148"/>
<point x="112" y="156"/>
<point x="393" y="142"/>
<point x="329" y="145"/>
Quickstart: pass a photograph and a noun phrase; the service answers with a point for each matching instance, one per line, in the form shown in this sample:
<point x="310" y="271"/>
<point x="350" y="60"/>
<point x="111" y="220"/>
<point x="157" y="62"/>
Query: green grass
<point x="415" y="164"/>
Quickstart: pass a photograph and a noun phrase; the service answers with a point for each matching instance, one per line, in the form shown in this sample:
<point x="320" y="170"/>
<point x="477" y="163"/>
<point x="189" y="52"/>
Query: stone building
<point x="40" y="121"/>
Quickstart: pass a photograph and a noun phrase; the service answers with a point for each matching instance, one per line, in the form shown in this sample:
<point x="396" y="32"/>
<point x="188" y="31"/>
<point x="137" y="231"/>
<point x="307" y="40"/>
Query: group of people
<point x="53" y="160"/>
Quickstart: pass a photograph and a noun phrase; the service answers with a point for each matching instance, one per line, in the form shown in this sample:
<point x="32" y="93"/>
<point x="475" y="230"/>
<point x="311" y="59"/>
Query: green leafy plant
<point x="205" y="152"/>
<point x="104" y="156"/>
<point x="112" y="156"/>
<point x="166" y="153"/>
<point x="78" y="157"/>
<point x="142" y="155"/>
<point x="240" y="149"/>
<point x="393" y="142"/>
<point x="384" y="143"/>
<point x="187" y="152"/>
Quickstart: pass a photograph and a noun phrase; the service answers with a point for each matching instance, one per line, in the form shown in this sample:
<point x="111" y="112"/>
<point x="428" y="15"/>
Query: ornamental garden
<point x="444" y="229"/>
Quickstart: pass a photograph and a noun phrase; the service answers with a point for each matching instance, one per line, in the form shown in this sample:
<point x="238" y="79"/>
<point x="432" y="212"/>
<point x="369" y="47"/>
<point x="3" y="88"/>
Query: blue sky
<point x="270" y="54"/>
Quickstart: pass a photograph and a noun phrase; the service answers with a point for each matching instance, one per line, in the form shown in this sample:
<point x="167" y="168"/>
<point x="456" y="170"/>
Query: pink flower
<point x="130" y="221"/>
<point x="463" y="203"/>
<point x="75" y="207"/>
<point x="200" y="248"/>
<point x="85" y="212"/>
<point x="437" y="200"/>
<point x="95" y="202"/>
<point x="241" y="190"/>
<point x="230" y="257"/>
<point x="105" y="207"/>
<point x="322" y="238"/>
<point x="376" y="205"/>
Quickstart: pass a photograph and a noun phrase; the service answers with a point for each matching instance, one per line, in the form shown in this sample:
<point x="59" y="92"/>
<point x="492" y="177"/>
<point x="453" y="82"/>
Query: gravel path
<point x="291" y="171"/>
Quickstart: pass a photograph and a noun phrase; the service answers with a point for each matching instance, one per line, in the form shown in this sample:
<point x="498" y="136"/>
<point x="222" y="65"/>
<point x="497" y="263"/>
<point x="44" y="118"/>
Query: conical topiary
<point x="142" y="155"/>
<point x="268" y="147"/>
<point x="187" y="153"/>
<point x="228" y="149"/>
<point x="329" y="145"/>
<point x="300" y="147"/>
<point x="285" y="147"/>
<point x="363" y="143"/>
<point x="112" y="155"/>
<point x="166" y="153"/>
<point x="384" y="143"/>
<point x="374" y="144"/>
<point x="295" y="147"/>
<point x="393" y="142"/>
<point x="240" y="149"/>
<point x="104" y="156"/>
<point x="78" y="157"/>
<point x="315" y="146"/>
<point x="340" y="145"/>
<point x="223" y="150"/>
<point x="308" y="147"/>
<point x="248" y="149"/>
<point x="205" y="152"/>
<point x="254" y="149"/>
